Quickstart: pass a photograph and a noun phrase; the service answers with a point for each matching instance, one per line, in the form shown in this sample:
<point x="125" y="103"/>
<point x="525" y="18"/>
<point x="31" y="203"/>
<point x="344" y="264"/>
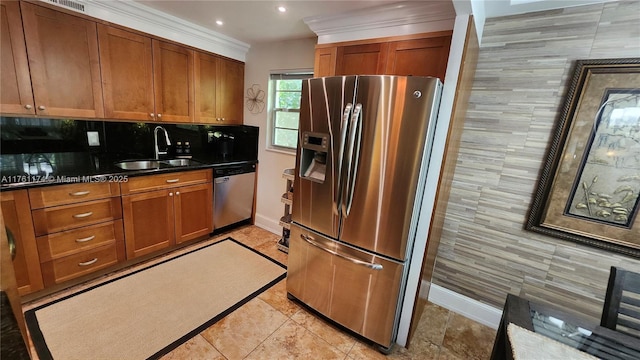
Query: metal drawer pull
<point x="12" y="243"/>
<point x="173" y="181"/>
<point x="88" y="238"/>
<point x="83" y="215"/>
<point x="79" y="193"/>
<point x="87" y="263"/>
<point x="309" y="239"/>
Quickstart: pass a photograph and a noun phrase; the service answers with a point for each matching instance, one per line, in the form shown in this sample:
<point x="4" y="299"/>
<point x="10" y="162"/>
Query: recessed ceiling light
<point x="282" y="9"/>
<point x="219" y="22"/>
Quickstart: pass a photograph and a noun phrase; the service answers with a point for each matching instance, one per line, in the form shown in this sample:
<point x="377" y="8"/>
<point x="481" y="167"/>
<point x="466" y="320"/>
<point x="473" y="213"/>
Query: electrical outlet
<point x="93" y="137"/>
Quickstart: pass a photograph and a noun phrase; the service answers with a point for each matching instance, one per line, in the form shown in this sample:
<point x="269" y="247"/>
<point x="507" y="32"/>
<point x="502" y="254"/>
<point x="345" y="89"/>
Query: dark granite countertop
<point x="67" y="168"/>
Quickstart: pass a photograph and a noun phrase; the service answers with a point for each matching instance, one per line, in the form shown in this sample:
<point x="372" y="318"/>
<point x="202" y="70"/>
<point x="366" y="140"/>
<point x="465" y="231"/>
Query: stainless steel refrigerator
<point x="362" y="159"/>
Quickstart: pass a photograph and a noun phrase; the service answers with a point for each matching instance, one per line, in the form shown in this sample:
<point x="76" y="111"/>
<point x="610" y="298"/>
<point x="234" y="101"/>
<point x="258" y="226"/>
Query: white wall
<point x="261" y="61"/>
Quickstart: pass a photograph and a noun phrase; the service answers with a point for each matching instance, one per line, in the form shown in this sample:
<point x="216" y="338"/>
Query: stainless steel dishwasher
<point x="233" y="190"/>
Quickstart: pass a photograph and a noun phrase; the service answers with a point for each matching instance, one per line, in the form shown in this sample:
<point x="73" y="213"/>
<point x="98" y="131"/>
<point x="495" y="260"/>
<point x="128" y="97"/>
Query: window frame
<point x="273" y="110"/>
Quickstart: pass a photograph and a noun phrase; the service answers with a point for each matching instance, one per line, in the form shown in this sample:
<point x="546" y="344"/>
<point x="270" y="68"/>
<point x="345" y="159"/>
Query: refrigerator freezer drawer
<point x="356" y="289"/>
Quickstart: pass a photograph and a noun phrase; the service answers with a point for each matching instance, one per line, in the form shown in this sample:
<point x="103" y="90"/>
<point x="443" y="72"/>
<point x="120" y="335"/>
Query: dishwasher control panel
<point x="234" y="170"/>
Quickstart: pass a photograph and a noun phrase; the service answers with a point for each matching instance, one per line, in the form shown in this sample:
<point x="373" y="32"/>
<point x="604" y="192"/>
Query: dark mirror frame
<point x="542" y="198"/>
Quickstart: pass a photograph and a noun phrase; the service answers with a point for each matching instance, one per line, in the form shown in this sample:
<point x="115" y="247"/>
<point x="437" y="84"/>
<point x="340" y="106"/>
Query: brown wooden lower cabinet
<point x="148" y="222"/>
<point x="69" y="231"/>
<point x="70" y="254"/>
<point x="159" y="219"/>
<point x="66" y="217"/>
<point x="72" y="266"/>
<point x="17" y="218"/>
<point x="193" y="212"/>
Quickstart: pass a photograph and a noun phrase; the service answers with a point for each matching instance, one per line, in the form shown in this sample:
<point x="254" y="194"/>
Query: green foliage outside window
<point x="286" y="112"/>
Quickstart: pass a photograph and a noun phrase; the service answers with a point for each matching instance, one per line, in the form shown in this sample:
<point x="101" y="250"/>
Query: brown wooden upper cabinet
<point x="145" y="79"/>
<point x="219" y="89"/>
<point x="60" y="65"/>
<point x="16" y="95"/>
<point x="419" y="55"/>
<point x="62" y="61"/>
<point x="173" y="82"/>
<point x="368" y="59"/>
<point x="230" y="91"/>
<point x="325" y="61"/>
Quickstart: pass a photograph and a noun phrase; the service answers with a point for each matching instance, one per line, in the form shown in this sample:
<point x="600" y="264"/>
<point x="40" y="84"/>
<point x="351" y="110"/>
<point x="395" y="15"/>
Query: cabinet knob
<point x="152" y="115"/>
<point x="41" y="107"/>
<point x="28" y="107"/>
<point x="177" y="192"/>
<point x="159" y="116"/>
<point x="171" y="194"/>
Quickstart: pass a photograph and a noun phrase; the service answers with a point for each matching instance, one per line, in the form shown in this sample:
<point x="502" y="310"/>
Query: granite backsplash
<point x="61" y="146"/>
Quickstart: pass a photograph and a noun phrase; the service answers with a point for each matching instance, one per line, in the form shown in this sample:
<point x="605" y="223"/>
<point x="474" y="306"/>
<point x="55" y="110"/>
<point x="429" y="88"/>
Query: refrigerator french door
<point x="362" y="158"/>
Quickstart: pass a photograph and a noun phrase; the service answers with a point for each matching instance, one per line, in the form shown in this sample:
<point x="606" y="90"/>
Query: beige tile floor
<point x="272" y="327"/>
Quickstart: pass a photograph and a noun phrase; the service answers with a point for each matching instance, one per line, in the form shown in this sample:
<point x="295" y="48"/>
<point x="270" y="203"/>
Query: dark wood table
<point x="584" y="335"/>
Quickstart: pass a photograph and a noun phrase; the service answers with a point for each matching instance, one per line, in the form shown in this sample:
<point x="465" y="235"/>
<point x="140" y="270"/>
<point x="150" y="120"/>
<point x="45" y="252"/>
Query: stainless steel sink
<point x="181" y="162"/>
<point x="154" y="164"/>
<point x="138" y="164"/>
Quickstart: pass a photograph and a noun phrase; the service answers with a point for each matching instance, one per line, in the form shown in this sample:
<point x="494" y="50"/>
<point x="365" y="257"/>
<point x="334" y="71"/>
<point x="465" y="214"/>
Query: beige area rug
<point x="148" y="313"/>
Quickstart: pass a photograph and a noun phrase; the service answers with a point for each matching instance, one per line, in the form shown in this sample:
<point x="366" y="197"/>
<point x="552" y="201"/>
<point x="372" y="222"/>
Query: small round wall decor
<point x="255" y="99"/>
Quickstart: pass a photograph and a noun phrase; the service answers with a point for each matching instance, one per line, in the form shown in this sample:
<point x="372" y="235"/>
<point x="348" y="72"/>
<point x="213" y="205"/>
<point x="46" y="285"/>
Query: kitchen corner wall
<point x="261" y="61"/>
<point x="524" y="65"/>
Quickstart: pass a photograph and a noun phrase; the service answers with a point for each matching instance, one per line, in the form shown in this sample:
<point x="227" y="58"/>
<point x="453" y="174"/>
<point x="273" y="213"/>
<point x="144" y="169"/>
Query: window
<point x="286" y="90"/>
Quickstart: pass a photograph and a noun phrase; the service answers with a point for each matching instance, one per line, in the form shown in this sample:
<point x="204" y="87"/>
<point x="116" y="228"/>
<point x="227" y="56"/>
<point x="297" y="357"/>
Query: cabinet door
<point x="63" y="61"/>
<point x="173" y="82"/>
<point x="193" y="211"/>
<point x="420" y="57"/>
<point x="16" y="96"/>
<point x="368" y="59"/>
<point x="325" y="62"/>
<point x="230" y="91"/>
<point x="10" y="289"/>
<point x="17" y="217"/>
<point x="206" y="77"/>
<point x="148" y="222"/>
<point x="127" y="74"/>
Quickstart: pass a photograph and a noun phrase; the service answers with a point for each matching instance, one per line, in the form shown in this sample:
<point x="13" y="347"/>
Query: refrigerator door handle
<point x="311" y="241"/>
<point x="343" y="138"/>
<point x="355" y="137"/>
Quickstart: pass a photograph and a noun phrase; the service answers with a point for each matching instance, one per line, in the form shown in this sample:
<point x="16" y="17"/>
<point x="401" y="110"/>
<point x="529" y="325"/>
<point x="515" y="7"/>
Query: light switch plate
<point x="94" y="138"/>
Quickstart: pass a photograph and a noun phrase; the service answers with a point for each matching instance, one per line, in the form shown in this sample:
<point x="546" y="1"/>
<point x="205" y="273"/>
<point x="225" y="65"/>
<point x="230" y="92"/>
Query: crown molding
<point x="401" y="18"/>
<point x="143" y="18"/>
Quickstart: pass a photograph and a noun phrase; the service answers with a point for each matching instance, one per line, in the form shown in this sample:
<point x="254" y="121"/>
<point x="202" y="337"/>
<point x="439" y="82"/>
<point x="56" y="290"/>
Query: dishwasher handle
<point x="221" y="180"/>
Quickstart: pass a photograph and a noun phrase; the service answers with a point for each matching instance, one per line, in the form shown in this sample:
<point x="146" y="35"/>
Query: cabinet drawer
<point x="71" y="193"/>
<point x="73" y="266"/>
<point x="54" y="246"/>
<point x="162" y="181"/>
<point x="66" y="217"/>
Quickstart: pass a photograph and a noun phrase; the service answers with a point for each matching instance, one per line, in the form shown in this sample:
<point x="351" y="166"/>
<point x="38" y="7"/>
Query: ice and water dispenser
<point x="313" y="156"/>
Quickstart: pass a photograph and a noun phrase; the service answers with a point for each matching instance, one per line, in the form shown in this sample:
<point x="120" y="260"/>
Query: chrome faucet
<point x="157" y="151"/>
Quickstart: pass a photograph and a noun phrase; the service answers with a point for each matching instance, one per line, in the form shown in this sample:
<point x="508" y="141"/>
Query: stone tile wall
<point x="524" y="65"/>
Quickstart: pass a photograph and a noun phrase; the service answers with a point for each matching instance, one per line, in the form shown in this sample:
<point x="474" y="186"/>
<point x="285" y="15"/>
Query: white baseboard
<point x="465" y="306"/>
<point x="268" y="224"/>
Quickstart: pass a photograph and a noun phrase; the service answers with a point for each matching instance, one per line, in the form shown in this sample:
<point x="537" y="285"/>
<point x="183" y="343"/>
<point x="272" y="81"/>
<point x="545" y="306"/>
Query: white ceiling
<point x="254" y="22"/>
